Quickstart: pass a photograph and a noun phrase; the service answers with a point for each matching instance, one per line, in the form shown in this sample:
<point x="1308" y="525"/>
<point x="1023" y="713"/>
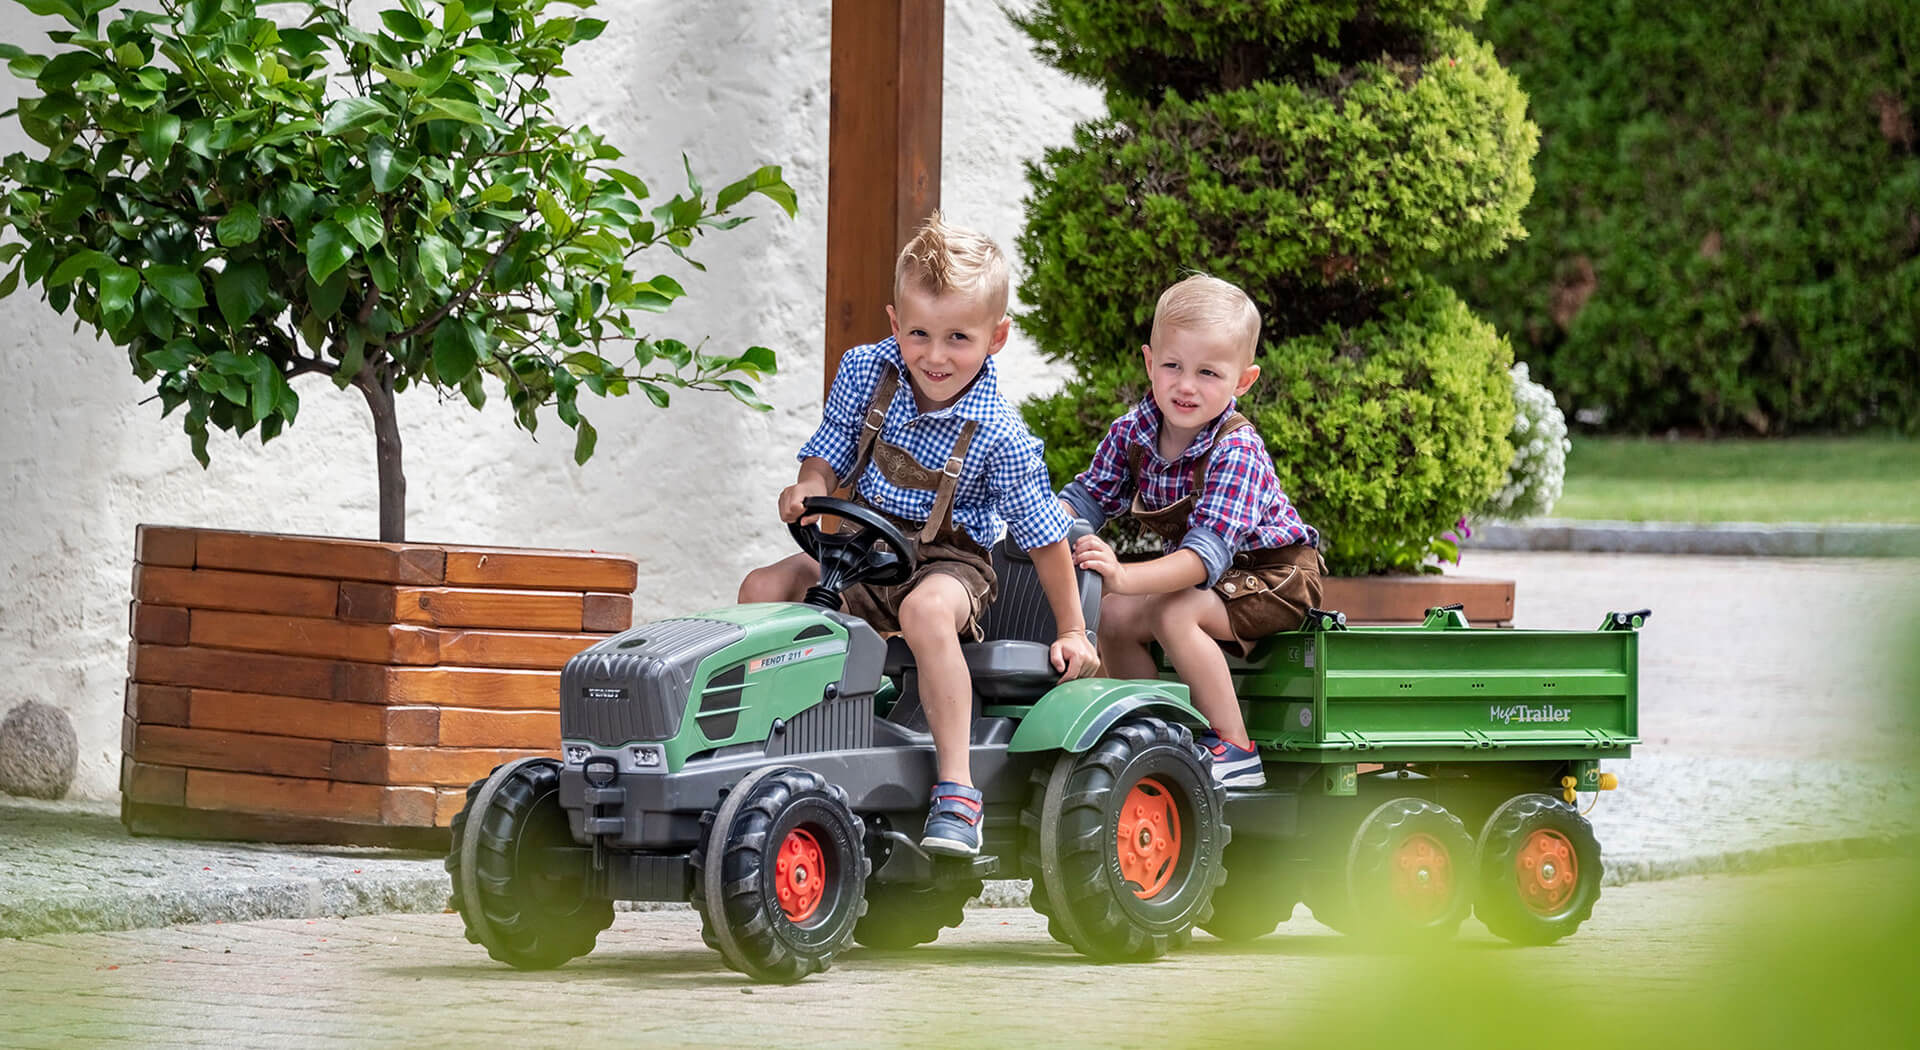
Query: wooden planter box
<point x="1406" y="599"/>
<point x="308" y="689"/>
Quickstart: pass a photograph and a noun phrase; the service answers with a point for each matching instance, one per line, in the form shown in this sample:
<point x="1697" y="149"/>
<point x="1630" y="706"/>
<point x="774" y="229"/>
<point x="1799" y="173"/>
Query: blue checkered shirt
<point x="1003" y="480"/>
<point x="1240" y="506"/>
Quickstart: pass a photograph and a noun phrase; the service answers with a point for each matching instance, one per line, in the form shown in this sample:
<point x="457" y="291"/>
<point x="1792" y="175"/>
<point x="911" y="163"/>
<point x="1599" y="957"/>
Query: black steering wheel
<point x="855" y="557"/>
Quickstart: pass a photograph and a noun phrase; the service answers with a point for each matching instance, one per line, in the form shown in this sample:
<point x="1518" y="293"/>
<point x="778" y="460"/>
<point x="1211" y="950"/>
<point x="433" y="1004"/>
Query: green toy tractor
<point x="770" y="764"/>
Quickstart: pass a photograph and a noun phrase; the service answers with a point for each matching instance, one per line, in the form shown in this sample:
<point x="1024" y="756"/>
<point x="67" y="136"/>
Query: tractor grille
<point x="634" y="686"/>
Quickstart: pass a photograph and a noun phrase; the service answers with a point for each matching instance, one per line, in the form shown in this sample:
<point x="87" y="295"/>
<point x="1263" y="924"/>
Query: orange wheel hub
<point x="1547" y="871"/>
<point x="799" y="875"/>
<point x="1148" y="838"/>
<point x="1422" y="873"/>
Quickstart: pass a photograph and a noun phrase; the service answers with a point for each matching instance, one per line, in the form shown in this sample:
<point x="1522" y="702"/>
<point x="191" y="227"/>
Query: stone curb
<point x="428" y="891"/>
<point x="1741" y="539"/>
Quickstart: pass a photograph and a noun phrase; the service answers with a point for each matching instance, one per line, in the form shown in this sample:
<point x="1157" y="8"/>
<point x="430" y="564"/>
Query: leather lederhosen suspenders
<point x="1170" y="522"/>
<point x="899" y="467"/>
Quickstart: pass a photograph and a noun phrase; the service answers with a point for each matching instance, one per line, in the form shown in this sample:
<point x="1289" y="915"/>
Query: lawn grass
<point x="1873" y="480"/>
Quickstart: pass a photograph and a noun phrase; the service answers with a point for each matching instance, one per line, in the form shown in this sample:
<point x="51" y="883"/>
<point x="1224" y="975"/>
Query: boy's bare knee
<point x="937" y="606"/>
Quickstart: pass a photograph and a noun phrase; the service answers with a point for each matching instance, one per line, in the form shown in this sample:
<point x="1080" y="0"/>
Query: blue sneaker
<point x="1233" y="766"/>
<point x="953" y="825"/>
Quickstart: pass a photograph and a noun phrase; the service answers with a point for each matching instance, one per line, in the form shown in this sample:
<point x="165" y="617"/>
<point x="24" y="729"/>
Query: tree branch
<point x="459" y="299"/>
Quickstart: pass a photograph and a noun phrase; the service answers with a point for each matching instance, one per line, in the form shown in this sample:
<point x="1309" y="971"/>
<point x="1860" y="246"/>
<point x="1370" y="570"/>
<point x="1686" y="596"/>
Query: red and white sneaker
<point x="1233" y="766"/>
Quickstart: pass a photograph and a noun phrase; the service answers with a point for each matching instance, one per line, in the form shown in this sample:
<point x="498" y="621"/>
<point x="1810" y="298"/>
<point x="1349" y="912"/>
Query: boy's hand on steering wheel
<point x="793" y="499"/>
<point x="1074" y="656"/>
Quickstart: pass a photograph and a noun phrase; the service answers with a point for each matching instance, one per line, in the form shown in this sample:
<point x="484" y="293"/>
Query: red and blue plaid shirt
<point x="1240" y="506"/>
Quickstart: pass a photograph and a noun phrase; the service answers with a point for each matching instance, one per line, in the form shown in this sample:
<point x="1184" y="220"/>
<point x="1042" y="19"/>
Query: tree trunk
<point x="376" y="382"/>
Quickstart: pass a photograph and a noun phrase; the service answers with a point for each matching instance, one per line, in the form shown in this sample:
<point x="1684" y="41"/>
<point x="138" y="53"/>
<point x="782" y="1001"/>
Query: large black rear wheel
<point x="780" y="879"/>
<point x="1539" y="870"/>
<point x="519" y="880"/>
<point x="1124" y="842"/>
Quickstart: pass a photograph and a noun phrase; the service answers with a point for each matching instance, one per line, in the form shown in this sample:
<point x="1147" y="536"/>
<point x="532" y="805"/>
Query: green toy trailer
<point x="771" y="764"/>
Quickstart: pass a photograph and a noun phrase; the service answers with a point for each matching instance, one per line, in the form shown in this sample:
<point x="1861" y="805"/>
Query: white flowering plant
<point x="1540" y="446"/>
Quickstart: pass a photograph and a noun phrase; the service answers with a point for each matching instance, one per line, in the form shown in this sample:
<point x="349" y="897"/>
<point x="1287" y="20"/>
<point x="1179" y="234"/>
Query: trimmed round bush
<point x="1311" y="196"/>
<point x="1142" y="47"/>
<point x="1323" y="157"/>
<point x="1538" y="472"/>
<point x="1727" y="233"/>
<point x="1383" y="432"/>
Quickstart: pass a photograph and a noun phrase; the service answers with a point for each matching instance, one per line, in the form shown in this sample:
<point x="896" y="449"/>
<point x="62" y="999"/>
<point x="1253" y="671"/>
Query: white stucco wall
<point x="689" y="490"/>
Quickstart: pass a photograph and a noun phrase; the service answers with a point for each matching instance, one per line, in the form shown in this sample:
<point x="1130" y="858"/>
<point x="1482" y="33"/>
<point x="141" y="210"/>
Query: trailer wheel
<point x="1124" y="842"/>
<point x="1539" y="870"/>
<point x="901" y="916"/>
<point x="519" y="881"/>
<point x="779" y="880"/>
<point x="1259" y="894"/>
<point x="1410" y="873"/>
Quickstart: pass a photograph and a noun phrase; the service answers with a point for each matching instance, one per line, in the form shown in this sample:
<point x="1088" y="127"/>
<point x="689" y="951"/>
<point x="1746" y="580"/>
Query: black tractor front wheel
<point x="779" y="880"/>
<point x="519" y="879"/>
<point x="1124" y="842"/>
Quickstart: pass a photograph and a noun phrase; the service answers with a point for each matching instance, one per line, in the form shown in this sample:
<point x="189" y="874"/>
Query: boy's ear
<point x="1246" y="380"/>
<point x="1146" y="354"/>
<point x="1000" y="333"/>
<point x="893" y="321"/>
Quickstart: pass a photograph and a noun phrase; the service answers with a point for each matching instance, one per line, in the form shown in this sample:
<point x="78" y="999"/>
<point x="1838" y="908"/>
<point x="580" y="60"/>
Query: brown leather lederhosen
<point x="1267" y="589"/>
<point x="942" y="546"/>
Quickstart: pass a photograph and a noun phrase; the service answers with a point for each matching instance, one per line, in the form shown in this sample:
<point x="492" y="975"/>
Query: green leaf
<point x="329" y="246"/>
<point x="404" y="25"/>
<point x="584" y="439"/>
<point x="363" y="222"/>
<point x="406" y="78"/>
<point x="59" y="8"/>
<point x="654" y="393"/>
<point x="766" y="182"/>
<point x="76" y="265"/>
<point x="349" y="113"/>
<point x="455" y="109"/>
<point x="177" y="285"/>
<point x="556" y="217"/>
<point x="240" y="291"/>
<point x="454" y="352"/>
<point x="117" y="285"/>
<point x="496" y="193"/>
<point x="389" y="166"/>
<point x="759" y="359"/>
<point x="325" y="296"/>
<point x="170" y="358"/>
<point x="239" y="226"/>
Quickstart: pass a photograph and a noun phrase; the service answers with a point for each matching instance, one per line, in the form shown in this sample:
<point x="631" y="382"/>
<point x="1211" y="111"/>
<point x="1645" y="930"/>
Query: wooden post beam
<point x="883" y="156"/>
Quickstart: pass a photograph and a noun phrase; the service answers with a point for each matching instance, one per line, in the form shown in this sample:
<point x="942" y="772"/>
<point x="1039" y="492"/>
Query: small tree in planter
<point x="238" y="201"/>
<point x="1322" y="156"/>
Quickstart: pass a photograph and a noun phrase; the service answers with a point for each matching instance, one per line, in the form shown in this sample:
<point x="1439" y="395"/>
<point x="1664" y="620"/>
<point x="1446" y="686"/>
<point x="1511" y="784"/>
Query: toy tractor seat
<point x="1010" y="663"/>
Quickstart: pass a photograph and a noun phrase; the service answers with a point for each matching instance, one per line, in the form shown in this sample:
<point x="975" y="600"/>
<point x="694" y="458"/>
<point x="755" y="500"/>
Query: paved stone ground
<point x="1658" y="960"/>
<point x="1768" y="705"/>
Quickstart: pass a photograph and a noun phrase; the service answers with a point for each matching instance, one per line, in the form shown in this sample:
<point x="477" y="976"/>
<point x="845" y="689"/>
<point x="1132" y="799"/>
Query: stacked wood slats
<point x="300" y="688"/>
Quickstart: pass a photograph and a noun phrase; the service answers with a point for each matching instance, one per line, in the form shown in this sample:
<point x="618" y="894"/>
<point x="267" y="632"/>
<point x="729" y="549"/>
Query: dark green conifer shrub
<point x="1322" y="157"/>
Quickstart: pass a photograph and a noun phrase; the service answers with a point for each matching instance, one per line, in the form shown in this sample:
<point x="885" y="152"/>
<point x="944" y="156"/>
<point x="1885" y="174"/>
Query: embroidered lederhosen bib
<point x="1265" y="590"/>
<point x="941" y="544"/>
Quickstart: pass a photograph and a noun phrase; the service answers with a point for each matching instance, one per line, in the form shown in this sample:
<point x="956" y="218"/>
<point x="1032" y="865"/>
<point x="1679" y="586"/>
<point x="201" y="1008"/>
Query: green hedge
<point x="1727" y="230"/>
<point x="1323" y="157"/>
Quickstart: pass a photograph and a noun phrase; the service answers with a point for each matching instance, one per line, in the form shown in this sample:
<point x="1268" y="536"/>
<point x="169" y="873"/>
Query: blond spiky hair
<point x="1200" y="302"/>
<point x="940" y="259"/>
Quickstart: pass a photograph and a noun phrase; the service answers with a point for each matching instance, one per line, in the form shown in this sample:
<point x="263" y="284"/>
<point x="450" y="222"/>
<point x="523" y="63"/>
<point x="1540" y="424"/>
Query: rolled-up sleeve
<point x="838" y="436"/>
<point x="1101" y="491"/>
<point x="1023" y="495"/>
